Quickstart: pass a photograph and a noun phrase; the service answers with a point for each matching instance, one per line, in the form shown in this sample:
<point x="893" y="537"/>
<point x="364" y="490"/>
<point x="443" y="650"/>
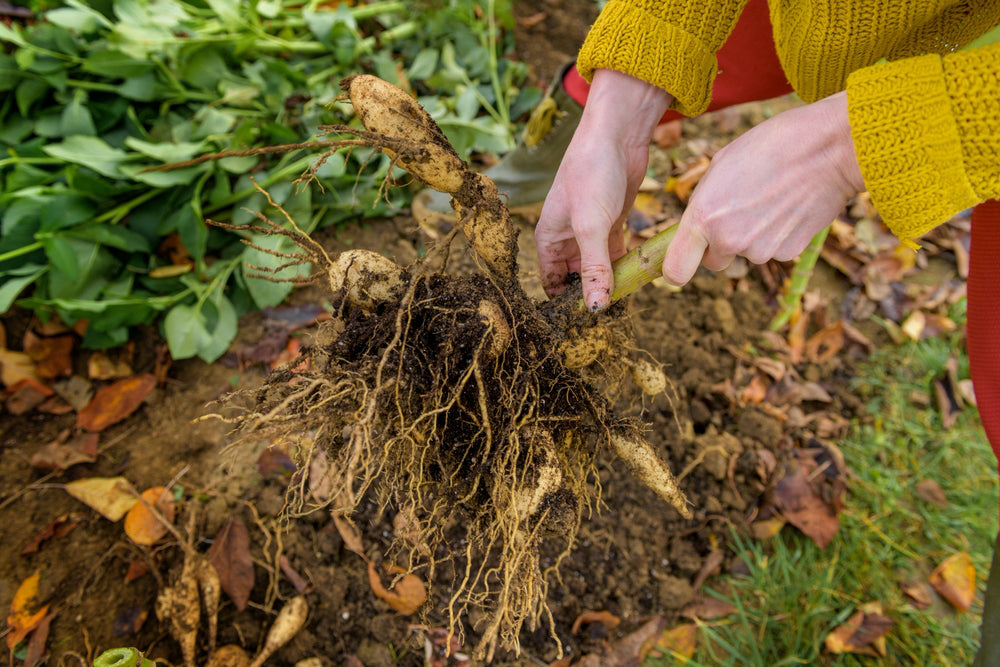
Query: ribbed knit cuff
<point x="908" y="145"/>
<point x="632" y="41"/>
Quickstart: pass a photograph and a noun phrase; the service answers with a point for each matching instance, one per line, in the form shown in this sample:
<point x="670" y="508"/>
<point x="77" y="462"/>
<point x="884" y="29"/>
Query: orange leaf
<point x="825" y="343"/>
<point x="113" y="497"/>
<point x="52" y="356"/>
<point x="142" y="525"/>
<point x="679" y="641"/>
<point x="668" y="134"/>
<point x="605" y="618"/>
<point x="405" y="596"/>
<point x="115" y="402"/>
<point x="21" y="620"/>
<point x="955" y="580"/>
<point x="863" y="633"/>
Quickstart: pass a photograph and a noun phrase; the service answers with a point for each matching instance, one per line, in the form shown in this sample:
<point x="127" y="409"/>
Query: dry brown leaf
<point x="920" y="593"/>
<point x="26" y="395"/>
<point x="406" y="592"/>
<point x="930" y="491"/>
<point x="531" y="20"/>
<point x="115" y="402"/>
<point x="23" y="618"/>
<point x="630" y="650"/>
<point x="804" y="509"/>
<point x="955" y="580"/>
<point x="825" y="343"/>
<point x="913" y="325"/>
<point x="136" y="569"/>
<point x="61" y="454"/>
<point x="52" y="355"/>
<point x="144" y="527"/>
<point x="230" y="555"/>
<point x="112" y="497"/>
<point x="77" y="391"/>
<point x="707" y="608"/>
<point x="685" y="183"/>
<point x="58" y="527"/>
<point x="605" y="618"/>
<point x="36" y="654"/>
<point x="666" y="135"/>
<point x="863" y="633"/>
<point x="679" y="642"/>
<point x="350" y="535"/>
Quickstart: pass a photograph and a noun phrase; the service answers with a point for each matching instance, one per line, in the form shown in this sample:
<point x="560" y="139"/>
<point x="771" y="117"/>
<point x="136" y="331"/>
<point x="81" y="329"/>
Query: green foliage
<point x="97" y="92"/>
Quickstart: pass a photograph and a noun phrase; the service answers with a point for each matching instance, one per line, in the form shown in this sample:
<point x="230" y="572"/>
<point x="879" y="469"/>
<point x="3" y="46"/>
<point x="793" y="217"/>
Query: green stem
<point x="30" y="160"/>
<point x="118" y="212"/>
<point x="401" y="31"/>
<point x="799" y="280"/>
<point x="491" y="22"/>
<point x="642" y="265"/>
<point x="23" y="250"/>
<point x="285" y="172"/>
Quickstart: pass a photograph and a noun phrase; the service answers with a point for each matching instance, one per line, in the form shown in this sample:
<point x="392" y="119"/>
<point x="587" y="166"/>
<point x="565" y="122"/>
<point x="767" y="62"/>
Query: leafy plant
<point x="94" y="93"/>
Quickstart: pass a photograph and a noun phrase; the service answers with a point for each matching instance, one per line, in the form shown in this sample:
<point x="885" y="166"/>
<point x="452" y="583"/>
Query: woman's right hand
<point x="579" y="230"/>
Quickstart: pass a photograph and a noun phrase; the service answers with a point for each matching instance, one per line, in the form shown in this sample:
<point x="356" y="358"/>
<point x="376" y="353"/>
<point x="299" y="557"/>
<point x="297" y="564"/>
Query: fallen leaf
<point x="77" y="391"/>
<point x="350" y="535"/>
<point x="707" y="608"/>
<point x="679" y="641"/>
<point x="863" y="633"/>
<point x="129" y="621"/>
<point x="825" y="343"/>
<point x="955" y="580"/>
<point x="931" y="492"/>
<point x="630" y="650"/>
<point x="405" y="594"/>
<point x="921" y="593"/>
<point x="804" y="509"/>
<point x="767" y="528"/>
<point x="55" y="405"/>
<point x="667" y="135"/>
<point x="531" y="20"/>
<point x="136" y="569"/>
<point x="112" y="497"/>
<point x="21" y="620"/>
<point x="102" y="367"/>
<point x="61" y="454"/>
<point x="275" y="462"/>
<point x="115" y="402"/>
<point x="913" y="326"/>
<point x="230" y="555"/>
<point x="648" y="205"/>
<point x="26" y="395"/>
<point x="443" y="649"/>
<point x="605" y="618"/>
<point x="53" y="356"/>
<point x="685" y="183"/>
<point x="59" y="527"/>
<point x="15" y="366"/>
<point x="141" y="525"/>
<point x="36" y="654"/>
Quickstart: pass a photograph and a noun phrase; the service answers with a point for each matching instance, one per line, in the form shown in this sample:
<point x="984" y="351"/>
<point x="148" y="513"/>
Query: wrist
<point x="624" y="108"/>
<point x="842" y="141"/>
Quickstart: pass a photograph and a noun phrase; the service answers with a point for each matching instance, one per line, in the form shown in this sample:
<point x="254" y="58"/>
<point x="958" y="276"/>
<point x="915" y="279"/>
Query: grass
<point x="796" y="594"/>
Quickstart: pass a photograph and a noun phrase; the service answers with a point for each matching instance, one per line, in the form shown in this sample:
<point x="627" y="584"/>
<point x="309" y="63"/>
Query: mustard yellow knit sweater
<point x="926" y="123"/>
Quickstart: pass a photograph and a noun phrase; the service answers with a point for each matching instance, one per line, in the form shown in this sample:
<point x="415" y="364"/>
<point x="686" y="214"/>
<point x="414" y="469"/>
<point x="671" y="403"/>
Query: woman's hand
<point x="579" y="229"/>
<point x="769" y="192"/>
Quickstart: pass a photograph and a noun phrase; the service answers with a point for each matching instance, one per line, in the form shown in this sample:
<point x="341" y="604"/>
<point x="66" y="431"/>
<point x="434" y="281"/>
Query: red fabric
<point x="749" y="69"/>
<point x="983" y="316"/>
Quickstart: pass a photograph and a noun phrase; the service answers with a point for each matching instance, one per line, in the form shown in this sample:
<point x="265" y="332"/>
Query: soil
<point x="635" y="557"/>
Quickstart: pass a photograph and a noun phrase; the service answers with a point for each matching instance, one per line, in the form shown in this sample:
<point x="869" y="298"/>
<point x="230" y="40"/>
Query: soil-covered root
<point x="452" y="397"/>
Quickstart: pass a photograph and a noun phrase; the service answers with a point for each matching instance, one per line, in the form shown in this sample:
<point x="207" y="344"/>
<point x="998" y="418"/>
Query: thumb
<point x="684" y="255"/>
<point x="595" y="265"/>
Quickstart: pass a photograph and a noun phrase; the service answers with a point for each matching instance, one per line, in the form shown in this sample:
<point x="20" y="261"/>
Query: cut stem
<point x="800" y="279"/>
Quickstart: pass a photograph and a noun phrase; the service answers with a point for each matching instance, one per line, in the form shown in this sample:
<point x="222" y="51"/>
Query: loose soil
<point x="635" y="556"/>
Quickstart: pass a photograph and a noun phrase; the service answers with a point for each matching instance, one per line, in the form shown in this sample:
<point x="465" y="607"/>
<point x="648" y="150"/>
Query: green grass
<point x="796" y="593"/>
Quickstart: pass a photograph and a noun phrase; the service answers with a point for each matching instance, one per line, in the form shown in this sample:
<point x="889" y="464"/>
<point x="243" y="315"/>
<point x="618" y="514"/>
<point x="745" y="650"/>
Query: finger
<point x="684" y="255"/>
<point x="595" y="265"/>
<point x="715" y="260"/>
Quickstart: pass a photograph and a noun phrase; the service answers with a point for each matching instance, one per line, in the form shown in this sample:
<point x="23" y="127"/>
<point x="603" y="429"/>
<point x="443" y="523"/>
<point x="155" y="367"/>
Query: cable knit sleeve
<point x="927" y="135"/>
<point x="669" y="44"/>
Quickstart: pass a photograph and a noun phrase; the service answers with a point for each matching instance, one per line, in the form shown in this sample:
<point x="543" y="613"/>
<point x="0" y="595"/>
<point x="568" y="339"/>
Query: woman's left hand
<point x="769" y="192"/>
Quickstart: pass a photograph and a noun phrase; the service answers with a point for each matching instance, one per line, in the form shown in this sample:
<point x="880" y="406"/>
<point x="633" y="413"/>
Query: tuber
<point x="290" y="620"/>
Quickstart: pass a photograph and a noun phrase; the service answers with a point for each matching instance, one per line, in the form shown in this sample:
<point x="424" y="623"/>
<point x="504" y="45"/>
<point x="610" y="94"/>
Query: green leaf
<point x="62" y="254"/>
<point x="111" y="235"/>
<point x="184" y="329"/>
<point x="423" y="65"/>
<point x="114" y="64"/>
<point x="91" y="152"/>
<point x="8" y="34"/>
<point x="10" y="73"/>
<point x="204" y="68"/>
<point x="77" y="20"/>
<point x="222" y="331"/>
<point x="65" y="210"/>
<point x="166" y="151"/>
<point x="28" y="92"/>
<point x="76" y="118"/>
<point x="265" y="292"/>
<point x="12" y="287"/>
<point x="163" y="179"/>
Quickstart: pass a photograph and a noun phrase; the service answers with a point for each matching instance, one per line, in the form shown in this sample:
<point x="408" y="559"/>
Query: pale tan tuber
<point x="229" y="655"/>
<point x="650" y="469"/>
<point x="649" y="377"/>
<point x="368" y="277"/>
<point x="290" y="620"/>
